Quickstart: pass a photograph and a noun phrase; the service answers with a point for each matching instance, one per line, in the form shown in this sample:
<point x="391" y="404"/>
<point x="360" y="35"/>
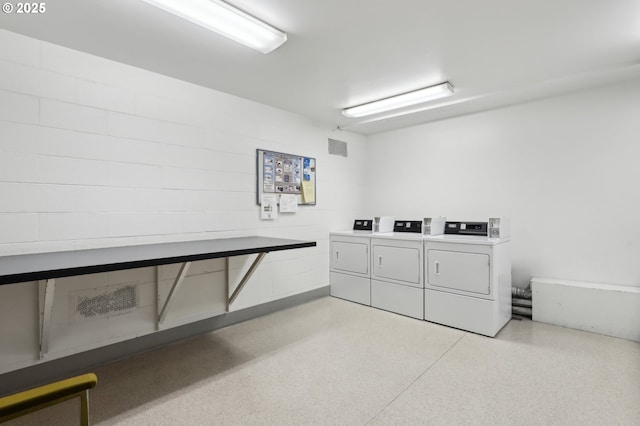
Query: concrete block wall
<point x="95" y="153"/>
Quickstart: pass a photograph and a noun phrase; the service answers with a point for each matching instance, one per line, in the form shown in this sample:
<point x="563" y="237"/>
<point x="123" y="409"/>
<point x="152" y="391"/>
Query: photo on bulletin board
<point x="286" y="174"/>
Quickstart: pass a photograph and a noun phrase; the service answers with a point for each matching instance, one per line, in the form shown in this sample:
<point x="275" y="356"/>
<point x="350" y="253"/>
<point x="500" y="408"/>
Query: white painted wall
<point x="566" y="170"/>
<point x="95" y="153"/>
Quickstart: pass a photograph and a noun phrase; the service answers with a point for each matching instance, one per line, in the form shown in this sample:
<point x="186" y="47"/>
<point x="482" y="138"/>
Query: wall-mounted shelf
<point x="46" y="267"/>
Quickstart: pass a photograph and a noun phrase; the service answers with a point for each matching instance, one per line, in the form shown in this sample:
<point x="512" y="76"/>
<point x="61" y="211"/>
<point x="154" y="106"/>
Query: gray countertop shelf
<point x="46" y="267"/>
<point x="43" y="266"/>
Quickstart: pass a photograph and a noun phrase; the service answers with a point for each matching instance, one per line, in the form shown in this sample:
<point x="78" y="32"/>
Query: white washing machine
<point x="397" y="270"/>
<point x="468" y="277"/>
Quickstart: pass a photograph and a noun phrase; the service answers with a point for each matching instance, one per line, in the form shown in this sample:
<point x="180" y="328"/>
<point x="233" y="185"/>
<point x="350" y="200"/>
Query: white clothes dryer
<point x="468" y="279"/>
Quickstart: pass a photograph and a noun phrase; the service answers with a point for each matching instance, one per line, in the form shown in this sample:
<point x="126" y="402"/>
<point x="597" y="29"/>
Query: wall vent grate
<point x="337" y="147"/>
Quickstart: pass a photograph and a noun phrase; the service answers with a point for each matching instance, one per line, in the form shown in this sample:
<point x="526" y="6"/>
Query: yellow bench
<point x="31" y="400"/>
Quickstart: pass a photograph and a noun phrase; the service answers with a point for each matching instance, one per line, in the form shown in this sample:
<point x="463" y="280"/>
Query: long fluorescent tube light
<point x="400" y="101"/>
<point x="225" y="20"/>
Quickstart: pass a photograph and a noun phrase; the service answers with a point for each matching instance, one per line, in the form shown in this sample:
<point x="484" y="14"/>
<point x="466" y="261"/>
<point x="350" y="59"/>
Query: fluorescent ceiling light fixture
<point x="400" y="101"/>
<point x="226" y="20"/>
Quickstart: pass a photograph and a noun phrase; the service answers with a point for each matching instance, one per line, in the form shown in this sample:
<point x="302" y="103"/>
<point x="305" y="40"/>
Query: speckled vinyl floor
<point x="332" y="362"/>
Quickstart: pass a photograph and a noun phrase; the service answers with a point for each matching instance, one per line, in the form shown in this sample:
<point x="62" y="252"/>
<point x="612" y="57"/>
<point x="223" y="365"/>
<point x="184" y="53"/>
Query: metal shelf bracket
<point x="244" y="279"/>
<point x="176" y="284"/>
<point x="47" y="290"/>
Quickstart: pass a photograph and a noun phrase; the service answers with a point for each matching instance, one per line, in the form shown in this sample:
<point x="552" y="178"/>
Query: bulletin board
<point x="279" y="173"/>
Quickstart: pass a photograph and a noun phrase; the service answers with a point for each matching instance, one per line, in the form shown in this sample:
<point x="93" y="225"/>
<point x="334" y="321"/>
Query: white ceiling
<point x="345" y="52"/>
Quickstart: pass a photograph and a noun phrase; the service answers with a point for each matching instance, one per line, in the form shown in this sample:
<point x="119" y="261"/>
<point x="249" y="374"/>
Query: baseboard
<point x="612" y="310"/>
<point x="62" y="368"/>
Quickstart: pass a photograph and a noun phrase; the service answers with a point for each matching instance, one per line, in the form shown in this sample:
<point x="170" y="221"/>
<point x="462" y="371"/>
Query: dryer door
<point x="350" y="257"/>
<point x="397" y="263"/>
<point x="468" y="272"/>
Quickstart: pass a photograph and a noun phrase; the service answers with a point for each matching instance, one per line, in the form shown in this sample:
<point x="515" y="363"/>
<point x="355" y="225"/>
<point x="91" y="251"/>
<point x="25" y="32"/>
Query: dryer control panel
<point x="466" y="228"/>
<point x="414" y="226"/>
<point x="363" y="225"/>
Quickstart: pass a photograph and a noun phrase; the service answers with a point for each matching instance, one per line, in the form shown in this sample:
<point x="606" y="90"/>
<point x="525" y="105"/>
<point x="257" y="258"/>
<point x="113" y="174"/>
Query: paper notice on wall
<point x="269" y="207"/>
<point x="308" y="192"/>
<point x="288" y="203"/>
